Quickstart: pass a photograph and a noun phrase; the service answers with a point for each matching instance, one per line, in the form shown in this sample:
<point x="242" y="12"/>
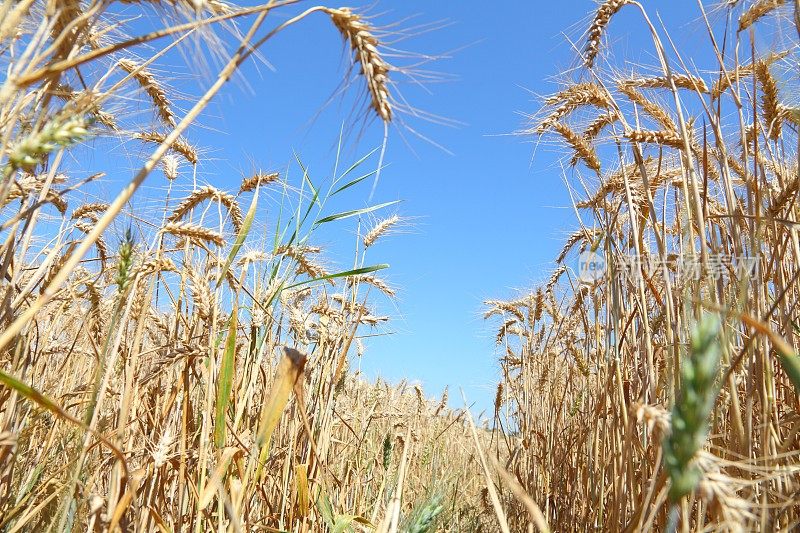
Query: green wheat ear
<point x="125" y="261"/>
<point x="58" y="132"/>
<point x="387" y="451"/>
<point x="693" y="407"/>
<point x="426" y="515"/>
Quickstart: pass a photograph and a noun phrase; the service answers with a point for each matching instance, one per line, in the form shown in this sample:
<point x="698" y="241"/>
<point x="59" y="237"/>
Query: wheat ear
<point x="365" y="45"/>
<point x="758" y="10"/>
<point x="193" y="232"/>
<point x="602" y="17"/>
<point x="154" y="90"/>
<point x="260" y="178"/>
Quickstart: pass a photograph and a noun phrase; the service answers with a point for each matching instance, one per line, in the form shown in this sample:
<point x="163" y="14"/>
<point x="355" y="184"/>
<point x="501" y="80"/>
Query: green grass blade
<point x="354" y="213"/>
<point x="307" y="179"/>
<point x="354" y="181"/>
<point x="791" y="365"/>
<point x="357" y="164"/>
<point x="225" y="380"/>
<point x="346" y="273"/>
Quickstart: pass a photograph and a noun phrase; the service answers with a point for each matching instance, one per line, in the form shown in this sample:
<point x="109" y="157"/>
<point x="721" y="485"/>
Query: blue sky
<point x="488" y="213"/>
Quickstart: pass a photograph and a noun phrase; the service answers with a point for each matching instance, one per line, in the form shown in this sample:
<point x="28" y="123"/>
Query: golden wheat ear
<point x="361" y="36"/>
<point x="757" y="11"/>
<point x="602" y="17"/>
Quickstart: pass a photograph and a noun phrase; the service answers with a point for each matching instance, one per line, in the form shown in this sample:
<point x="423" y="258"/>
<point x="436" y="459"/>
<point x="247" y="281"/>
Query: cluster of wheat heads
<point x="677" y="174"/>
<point x="186" y="368"/>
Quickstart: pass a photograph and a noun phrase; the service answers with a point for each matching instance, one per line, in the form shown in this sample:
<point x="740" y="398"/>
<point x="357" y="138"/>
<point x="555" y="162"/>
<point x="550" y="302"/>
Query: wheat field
<point x="184" y="368"/>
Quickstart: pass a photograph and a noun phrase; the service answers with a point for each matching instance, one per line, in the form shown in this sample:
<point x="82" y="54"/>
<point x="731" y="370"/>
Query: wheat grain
<point x="380" y="229"/>
<point x="209" y="193"/>
<point x="583" y="234"/>
<point x="89" y="209"/>
<point x="770" y="103"/>
<point x="758" y="10"/>
<point x="154" y="90"/>
<point x="374" y="68"/>
<point x="376" y="282"/>
<point x="665" y="138"/>
<point x="201" y="294"/>
<point x="301" y="256"/>
<point x="649" y="107"/>
<point x="597" y="125"/>
<point x="583" y="150"/>
<point x="193" y="232"/>
<point x="258" y="179"/>
<point x="602" y="17"/>
<point x="58" y="131"/>
<point x="731" y="76"/>
<point x="681" y="81"/>
<point x="499" y="306"/>
<point x="169" y="164"/>
<point x="180" y="146"/>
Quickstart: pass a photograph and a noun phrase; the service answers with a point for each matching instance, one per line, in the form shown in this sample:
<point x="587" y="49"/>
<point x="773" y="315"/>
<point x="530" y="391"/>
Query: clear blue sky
<point x="488" y="217"/>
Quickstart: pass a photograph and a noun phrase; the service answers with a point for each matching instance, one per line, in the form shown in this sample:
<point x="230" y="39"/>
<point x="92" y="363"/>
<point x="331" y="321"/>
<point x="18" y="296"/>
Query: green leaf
<point x="354" y="213"/>
<point x="326" y="510"/>
<point x="241" y="237"/>
<point x="354" y="182"/>
<point x="307" y="179"/>
<point x="791" y="365"/>
<point x="346" y="273"/>
<point x="342" y="523"/>
<point x="225" y="380"/>
<point x="357" y="164"/>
